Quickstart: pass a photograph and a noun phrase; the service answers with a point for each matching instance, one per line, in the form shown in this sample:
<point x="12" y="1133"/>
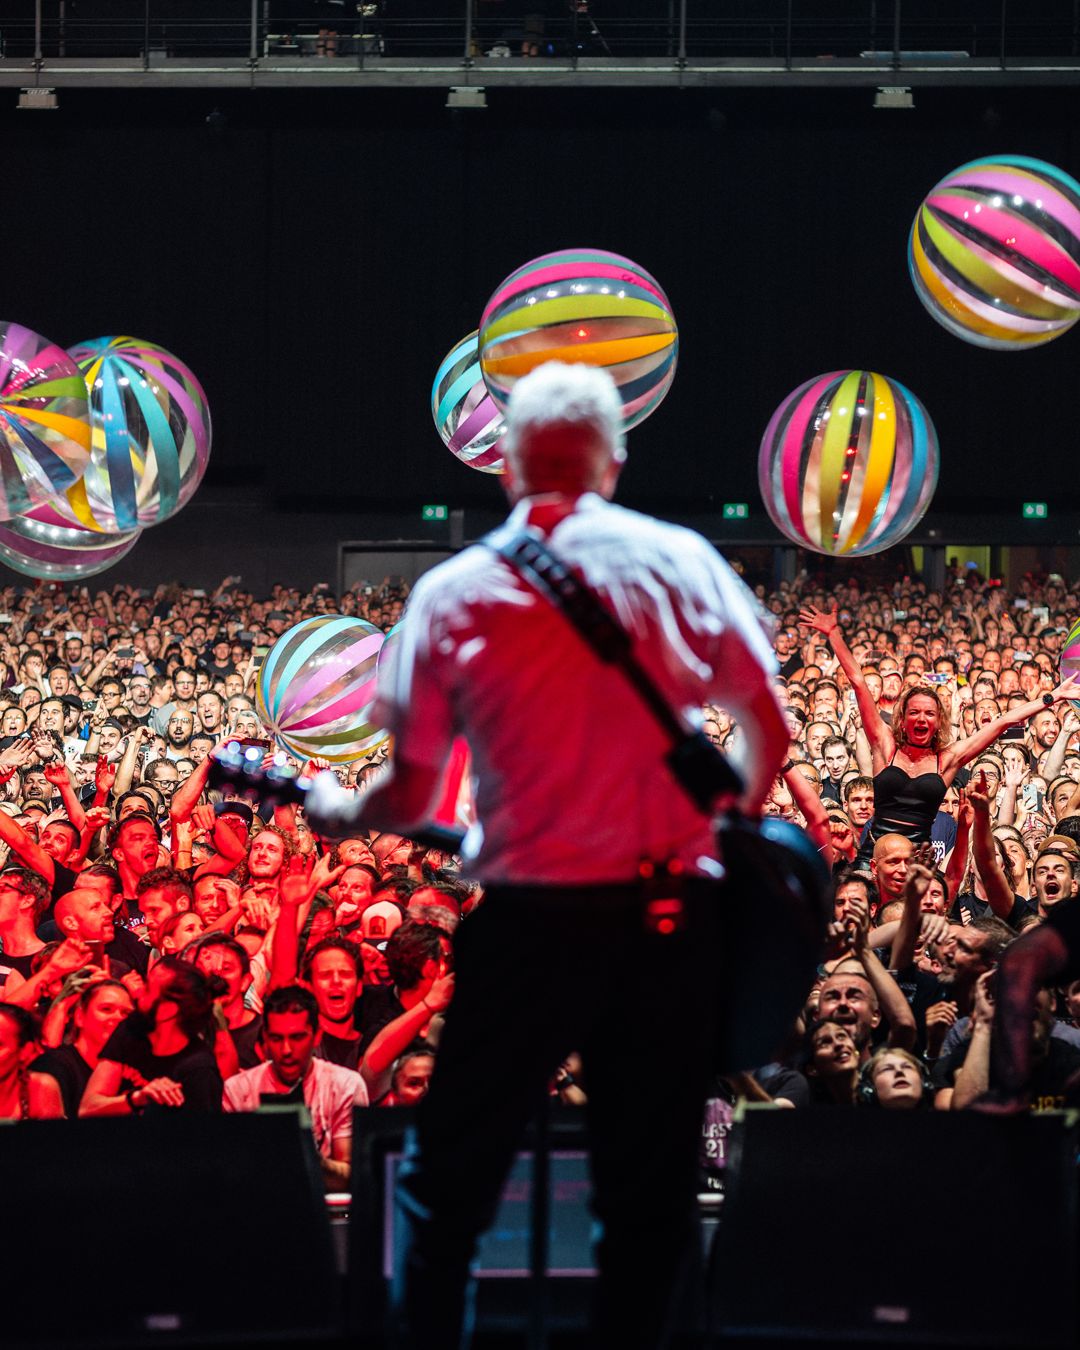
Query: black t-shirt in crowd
<point x="71" y="1072"/>
<point x="970" y="905"/>
<point x="63" y="881"/>
<point x="194" y="1067"/>
<point x="1049" y="1073"/>
<point x="378" y="1005"/>
<point x="22" y="964"/>
<point x="339" y="1050"/>
<point x="246" y="1040"/>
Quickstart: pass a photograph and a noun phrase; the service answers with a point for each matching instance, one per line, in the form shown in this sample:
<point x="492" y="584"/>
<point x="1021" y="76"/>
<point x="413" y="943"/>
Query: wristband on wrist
<point x="1048" y="700"/>
<point x="130" y="1096"/>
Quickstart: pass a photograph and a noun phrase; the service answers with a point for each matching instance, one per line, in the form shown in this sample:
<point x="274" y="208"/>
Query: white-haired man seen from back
<point x="573" y="796"/>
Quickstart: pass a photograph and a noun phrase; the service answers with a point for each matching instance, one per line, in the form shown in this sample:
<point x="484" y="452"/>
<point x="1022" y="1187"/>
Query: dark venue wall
<point x="312" y="255"/>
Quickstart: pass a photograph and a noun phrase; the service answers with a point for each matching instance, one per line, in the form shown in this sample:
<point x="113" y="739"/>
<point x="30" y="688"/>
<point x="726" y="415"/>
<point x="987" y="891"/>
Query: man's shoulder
<point x="345" y="1087"/>
<point x="336" y="1075"/>
<point x="247" y="1084"/>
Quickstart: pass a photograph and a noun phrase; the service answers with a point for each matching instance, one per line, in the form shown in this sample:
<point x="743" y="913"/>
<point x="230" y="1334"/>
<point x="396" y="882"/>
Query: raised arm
<point x="401" y="1032"/>
<point x="99" y="671"/>
<point x="999" y="893"/>
<point x="125" y="772"/>
<point x="27" y="850"/>
<point x="1010" y="786"/>
<point x="1055" y="756"/>
<point x="186" y="797"/>
<point x="93" y="820"/>
<point x="894" y="1006"/>
<point x="973" y="1077"/>
<point x="828" y="625"/>
<point x="813" y="810"/>
<point x="916" y="884"/>
<point x="963" y="752"/>
<point x="58" y="774"/>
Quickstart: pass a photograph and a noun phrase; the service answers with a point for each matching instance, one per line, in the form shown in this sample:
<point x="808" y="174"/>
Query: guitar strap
<point x="699" y="767"/>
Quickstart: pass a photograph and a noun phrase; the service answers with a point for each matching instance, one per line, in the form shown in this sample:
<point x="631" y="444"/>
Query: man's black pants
<point x="542" y="972"/>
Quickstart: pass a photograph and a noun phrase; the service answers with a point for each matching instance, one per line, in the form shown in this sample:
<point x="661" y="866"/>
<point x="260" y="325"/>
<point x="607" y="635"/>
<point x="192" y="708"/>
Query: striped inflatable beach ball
<point x="848" y="463"/>
<point x="588" y="306"/>
<point x="316" y="686"/>
<point x="994" y="252"/>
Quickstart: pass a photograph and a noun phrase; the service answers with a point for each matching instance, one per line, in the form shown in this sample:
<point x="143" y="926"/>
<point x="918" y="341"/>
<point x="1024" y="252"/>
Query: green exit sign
<point x="736" y="510"/>
<point x="1034" y="510"/>
<point x="435" y="511"/>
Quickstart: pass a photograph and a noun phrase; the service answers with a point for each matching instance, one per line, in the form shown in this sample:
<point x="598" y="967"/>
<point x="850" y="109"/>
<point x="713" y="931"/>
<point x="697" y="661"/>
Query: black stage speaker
<point x="176" y="1230"/>
<point x="871" y="1225"/>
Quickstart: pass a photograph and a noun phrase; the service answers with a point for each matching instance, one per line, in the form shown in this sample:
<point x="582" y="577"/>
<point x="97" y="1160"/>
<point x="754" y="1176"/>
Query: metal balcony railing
<point x="899" y="32"/>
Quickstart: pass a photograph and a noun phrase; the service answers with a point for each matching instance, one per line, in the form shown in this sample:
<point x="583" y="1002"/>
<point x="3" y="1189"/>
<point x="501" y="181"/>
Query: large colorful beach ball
<point x="588" y="306"/>
<point x="848" y="463"/>
<point x="44" y="420"/>
<point x="995" y="252"/>
<point x="45" y="544"/>
<point x="1069" y="658"/>
<point x="316" y="686"/>
<point x="465" y="415"/>
<point x="151" y="428"/>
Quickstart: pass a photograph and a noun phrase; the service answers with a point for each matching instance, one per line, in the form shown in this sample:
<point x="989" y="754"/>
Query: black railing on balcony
<point x="777" y="31"/>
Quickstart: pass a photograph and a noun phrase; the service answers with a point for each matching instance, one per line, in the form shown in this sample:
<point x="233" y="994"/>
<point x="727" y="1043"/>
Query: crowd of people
<point x="166" y="945"/>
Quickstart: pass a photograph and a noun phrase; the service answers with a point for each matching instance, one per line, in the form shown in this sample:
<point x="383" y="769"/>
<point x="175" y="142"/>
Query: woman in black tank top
<point x="914" y="759"/>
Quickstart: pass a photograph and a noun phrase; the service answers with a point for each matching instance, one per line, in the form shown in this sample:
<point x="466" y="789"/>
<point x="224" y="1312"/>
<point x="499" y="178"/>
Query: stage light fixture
<point x="38" y="98"/>
<point x="466" y="96"/>
<point x="893" y="96"/>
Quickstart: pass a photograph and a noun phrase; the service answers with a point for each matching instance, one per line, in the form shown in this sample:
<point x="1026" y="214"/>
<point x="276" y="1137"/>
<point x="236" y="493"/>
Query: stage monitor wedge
<point x="179" y="1230"/>
<point x="897" y="1227"/>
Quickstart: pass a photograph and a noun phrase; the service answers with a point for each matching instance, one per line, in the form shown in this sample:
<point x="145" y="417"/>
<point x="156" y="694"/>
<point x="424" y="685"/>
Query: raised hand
<point x="441" y="992"/>
<point x="932" y="928"/>
<point x="257" y="910"/>
<point x="56" y="772"/>
<point x="16" y="756"/>
<point x="72" y="954"/>
<point x="203" y="818"/>
<point x="1068" y="688"/>
<point x="323" y="875"/>
<point x="978" y="797"/>
<point x="97" y="817"/>
<point x="104" y="776"/>
<point x="44" y="746"/>
<point x="982" y="1011"/>
<point x="820" y="621"/>
<point x="939" y="1018"/>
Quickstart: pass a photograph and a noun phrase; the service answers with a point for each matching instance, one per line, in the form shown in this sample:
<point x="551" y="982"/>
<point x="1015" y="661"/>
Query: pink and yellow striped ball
<point x="994" y="252"/>
<point x="848" y="463"/>
<point x="582" y="306"/>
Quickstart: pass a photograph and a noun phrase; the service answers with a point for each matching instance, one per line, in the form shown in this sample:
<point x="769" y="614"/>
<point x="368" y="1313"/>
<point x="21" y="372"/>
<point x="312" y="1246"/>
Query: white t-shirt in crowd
<point x="330" y="1093"/>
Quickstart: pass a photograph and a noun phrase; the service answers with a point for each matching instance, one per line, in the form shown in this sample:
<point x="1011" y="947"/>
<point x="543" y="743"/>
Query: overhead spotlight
<point x="466" y="96"/>
<point x="893" y="96"/>
<point x="38" y="98"/>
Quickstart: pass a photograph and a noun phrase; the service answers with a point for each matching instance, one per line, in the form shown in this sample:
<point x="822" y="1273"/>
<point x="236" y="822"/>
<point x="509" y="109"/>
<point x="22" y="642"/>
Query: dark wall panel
<point x="313" y="255"/>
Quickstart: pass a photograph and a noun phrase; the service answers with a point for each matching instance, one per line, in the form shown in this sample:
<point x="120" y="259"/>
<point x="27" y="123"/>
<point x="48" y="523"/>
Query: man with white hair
<point x="575" y="805"/>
